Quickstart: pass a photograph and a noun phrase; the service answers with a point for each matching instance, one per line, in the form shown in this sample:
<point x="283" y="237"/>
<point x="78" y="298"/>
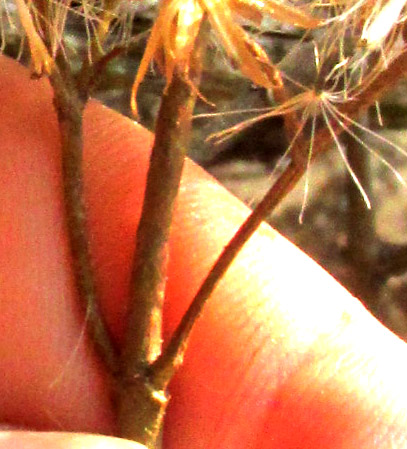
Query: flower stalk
<point x="322" y="141"/>
<point x="143" y="397"/>
<point x="70" y="100"/>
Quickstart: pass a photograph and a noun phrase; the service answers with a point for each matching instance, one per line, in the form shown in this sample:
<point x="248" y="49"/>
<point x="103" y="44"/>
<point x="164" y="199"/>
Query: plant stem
<point x="143" y="342"/>
<point x="142" y="398"/>
<point x="71" y="94"/>
<point x="173" y="354"/>
<point x="177" y="345"/>
<point x="69" y="103"/>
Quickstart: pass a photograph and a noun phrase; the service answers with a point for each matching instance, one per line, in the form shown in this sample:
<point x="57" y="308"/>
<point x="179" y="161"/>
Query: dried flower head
<point x="176" y="27"/>
<point x="345" y="63"/>
<point x="42" y="62"/>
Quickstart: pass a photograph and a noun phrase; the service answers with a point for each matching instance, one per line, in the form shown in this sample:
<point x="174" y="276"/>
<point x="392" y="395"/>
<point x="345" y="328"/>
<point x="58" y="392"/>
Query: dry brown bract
<point x="175" y="30"/>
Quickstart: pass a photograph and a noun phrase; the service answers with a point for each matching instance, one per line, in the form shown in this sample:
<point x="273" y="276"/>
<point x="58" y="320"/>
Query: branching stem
<point x="174" y="352"/>
<point x="177" y="345"/>
<point x="144" y="371"/>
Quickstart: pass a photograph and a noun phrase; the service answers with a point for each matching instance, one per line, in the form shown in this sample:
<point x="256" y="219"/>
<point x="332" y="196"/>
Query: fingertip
<point x="62" y="440"/>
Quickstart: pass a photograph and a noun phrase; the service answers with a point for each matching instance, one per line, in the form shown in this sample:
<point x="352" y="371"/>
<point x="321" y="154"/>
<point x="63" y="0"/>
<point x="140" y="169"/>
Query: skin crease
<point x="282" y="358"/>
